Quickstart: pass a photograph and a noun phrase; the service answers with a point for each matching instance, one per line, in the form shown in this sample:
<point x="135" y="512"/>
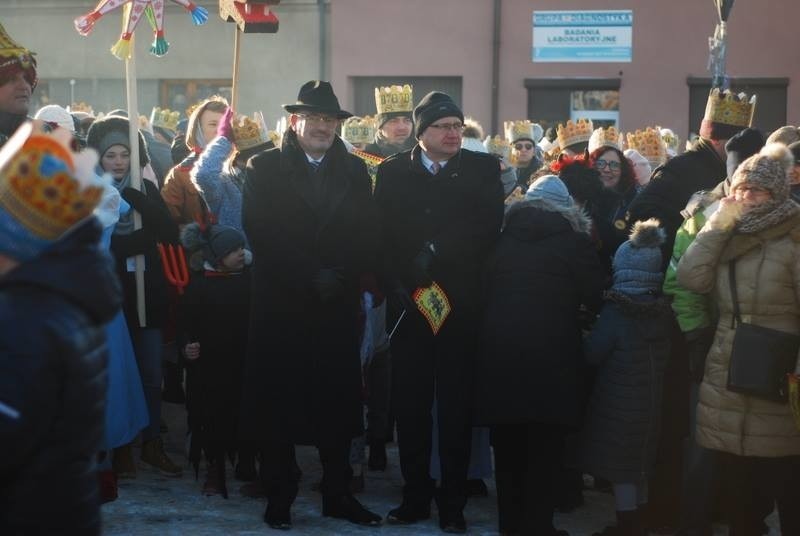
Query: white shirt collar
<point x="427" y="162"/>
<point x="318" y="162"/>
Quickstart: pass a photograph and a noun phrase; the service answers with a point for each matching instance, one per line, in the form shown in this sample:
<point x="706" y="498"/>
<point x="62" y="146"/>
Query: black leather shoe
<point x="406" y="514"/>
<point x="278" y="518"/>
<point x="453" y="523"/>
<point x="347" y="507"/>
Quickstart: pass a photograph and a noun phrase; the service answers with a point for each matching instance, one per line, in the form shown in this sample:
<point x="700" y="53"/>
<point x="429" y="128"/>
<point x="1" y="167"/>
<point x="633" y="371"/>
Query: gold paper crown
<point x="649" y="144"/>
<point x="249" y="133"/>
<point x="44" y="186"/>
<point x="359" y="129"/>
<point x="605" y="137"/>
<point x="572" y="133"/>
<point x="391" y="99"/>
<point x="498" y="146"/>
<point x="517" y="130"/>
<point x="671" y="139"/>
<point x="730" y="109"/>
<point x="80" y="107"/>
<point x="164" y="118"/>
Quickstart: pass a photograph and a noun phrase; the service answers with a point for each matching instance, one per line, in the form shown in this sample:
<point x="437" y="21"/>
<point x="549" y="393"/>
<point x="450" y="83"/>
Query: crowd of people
<point x="566" y="301"/>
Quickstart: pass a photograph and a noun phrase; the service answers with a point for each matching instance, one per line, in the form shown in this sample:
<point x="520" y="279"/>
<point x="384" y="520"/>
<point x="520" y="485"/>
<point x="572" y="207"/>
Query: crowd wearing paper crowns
<point x="538" y="259"/>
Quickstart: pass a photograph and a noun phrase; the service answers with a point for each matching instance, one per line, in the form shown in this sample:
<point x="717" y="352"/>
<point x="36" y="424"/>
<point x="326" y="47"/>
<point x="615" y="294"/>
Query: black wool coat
<point x="530" y="367"/>
<point x="303" y="369"/>
<point x="671" y="187"/>
<point x="629" y="346"/>
<point x="53" y="382"/>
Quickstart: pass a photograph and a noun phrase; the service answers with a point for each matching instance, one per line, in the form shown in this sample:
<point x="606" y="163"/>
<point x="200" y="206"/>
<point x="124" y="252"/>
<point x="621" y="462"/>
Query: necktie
<point x="435" y="167"/>
<point x="314" y="165"/>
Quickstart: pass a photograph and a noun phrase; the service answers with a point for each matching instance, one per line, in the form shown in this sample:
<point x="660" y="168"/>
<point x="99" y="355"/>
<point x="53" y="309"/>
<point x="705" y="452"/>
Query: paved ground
<point x="156" y="505"/>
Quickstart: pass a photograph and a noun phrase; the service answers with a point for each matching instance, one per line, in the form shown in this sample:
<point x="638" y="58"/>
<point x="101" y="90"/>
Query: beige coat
<point x="768" y="284"/>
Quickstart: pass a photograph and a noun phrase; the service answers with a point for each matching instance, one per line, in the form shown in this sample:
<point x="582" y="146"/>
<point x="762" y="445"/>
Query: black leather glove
<point x="421" y="266"/>
<point x="401" y="299"/>
<point x="698" y="343"/>
<point x="329" y="284"/>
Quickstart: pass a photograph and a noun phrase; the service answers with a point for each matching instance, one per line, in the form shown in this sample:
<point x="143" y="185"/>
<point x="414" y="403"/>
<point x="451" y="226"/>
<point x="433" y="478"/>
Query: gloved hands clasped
<point x="421" y="266"/>
<point x="329" y="284"/>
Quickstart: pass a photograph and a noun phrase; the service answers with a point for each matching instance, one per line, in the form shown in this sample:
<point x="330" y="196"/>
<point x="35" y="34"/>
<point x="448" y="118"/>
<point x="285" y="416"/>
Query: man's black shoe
<point x="347" y="507"/>
<point x="405" y="514"/>
<point x="453" y="523"/>
<point x="278" y="518"/>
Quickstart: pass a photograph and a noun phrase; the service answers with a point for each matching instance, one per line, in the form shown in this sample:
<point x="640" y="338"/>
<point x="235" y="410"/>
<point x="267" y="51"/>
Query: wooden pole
<point x="136" y="171"/>
<point x="236" y="48"/>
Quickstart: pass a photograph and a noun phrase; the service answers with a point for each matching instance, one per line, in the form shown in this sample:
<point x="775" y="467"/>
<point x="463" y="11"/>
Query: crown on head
<point x="605" y="137"/>
<point x="649" y="144"/>
<point x="359" y="129"/>
<point x="498" y="146"/>
<point x="164" y="118"/>
<point x="729" y="108"/>
<point x="44" y="186"/>
<point x="390" y="99"/>
<point x="248" y="133"/>
<point x="517" y="130"/>
<point x="574" y="132"/>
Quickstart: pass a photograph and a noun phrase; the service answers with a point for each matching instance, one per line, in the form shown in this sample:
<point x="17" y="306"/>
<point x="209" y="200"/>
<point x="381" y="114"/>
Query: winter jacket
<point x="221" y="189"/>
<point x="160" y="156"/>
<point x="673" y="184"/>
<point x="530" y="365"/>
<point x="768" y="285"/>
<point x="693" y="311"/>
<point x="303" y="371"/>
<point x="53" y="357"/>
<point x="629" y="346"/>
<point x="180" y="194"/>
<point x="156" y="227"/>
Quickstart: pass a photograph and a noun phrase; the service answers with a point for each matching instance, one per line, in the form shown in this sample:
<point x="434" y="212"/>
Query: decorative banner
<point x="372" y="162"/>
<point x="434" y="305"/>
<point x="153" y="11"/>
<point x="582" y="36"/>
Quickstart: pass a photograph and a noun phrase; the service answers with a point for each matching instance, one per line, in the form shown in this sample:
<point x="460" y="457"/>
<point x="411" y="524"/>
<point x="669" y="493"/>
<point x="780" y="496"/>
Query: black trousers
<point x="277" y="464"/>
<point x="755" y="482"/>
<point x="424" y="366"/>
<point x="527" y="459"/>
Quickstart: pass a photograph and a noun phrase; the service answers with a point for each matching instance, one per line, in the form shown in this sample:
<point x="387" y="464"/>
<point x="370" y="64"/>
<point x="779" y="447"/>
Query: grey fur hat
<point x="638" y="262"/>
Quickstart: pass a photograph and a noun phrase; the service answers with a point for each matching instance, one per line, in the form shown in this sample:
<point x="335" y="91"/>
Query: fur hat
<point x="638" y="262"/>
<point x="786" y="135"/>
<point x="210" y="244"/>
<point x="433" y="106"/>
<point x="767" y="169"/>
<point x="549" y="188"/>
<point x="45" y="191"/>
<point x="113" y="130"/>
<point x="795" y="149"/>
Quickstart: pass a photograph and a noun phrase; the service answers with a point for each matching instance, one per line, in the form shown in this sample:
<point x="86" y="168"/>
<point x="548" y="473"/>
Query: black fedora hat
<point x="317" y="96"/>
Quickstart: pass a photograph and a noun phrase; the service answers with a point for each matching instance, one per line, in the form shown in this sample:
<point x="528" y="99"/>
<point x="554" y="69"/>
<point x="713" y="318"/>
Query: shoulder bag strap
<point x="737" y="318"/>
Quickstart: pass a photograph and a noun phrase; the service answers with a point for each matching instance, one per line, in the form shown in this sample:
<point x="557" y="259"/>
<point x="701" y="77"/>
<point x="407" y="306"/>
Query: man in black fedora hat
<point x="308" y="215"/>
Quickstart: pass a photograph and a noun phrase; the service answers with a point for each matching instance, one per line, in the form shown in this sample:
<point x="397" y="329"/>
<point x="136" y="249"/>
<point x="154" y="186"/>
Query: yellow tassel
<point x="122" y="49"/>
<point x="794" y="397"/>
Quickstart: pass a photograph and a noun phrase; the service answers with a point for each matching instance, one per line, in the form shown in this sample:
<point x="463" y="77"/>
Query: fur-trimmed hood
<point x="576" y="217"/>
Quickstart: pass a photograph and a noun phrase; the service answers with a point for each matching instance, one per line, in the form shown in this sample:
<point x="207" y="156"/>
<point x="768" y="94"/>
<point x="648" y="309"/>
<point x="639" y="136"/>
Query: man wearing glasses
<point x="526" y="155"/>
<point x="441" y="209"/>
<point x="309" y="217"/>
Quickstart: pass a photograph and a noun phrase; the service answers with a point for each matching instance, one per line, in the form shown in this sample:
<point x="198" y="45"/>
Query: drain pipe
<point x="496" y="67"/>
<point x="323" y="40"/>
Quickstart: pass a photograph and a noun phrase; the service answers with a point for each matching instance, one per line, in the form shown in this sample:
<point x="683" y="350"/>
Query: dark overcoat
<point x="303" y="371"/>
<point x="530" y="368"/>
<point x="629" y="346"/>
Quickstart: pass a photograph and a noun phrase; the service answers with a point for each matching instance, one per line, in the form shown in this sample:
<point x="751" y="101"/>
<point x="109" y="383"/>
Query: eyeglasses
<point x="523" y="146"/>
<point x="447" y="127"/>
<point x="602" y="164"/>
<point x="328" y="120"/>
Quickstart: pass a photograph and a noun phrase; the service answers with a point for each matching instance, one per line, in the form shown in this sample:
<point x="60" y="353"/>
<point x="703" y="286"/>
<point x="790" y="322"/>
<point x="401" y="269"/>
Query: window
<point x="554" y="100"/>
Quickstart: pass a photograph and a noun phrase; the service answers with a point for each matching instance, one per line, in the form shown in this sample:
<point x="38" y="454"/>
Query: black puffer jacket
<point x="629" y="345"/>
<point x="52" y="386"/>
<point x="530" y="367"/>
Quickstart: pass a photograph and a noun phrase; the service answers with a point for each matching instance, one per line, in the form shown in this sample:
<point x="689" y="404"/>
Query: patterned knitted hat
<point x="637" y="263"/>
<point x="14" y="57"/>
<point x="767" y="169"/>
<point x="45" y="190"/>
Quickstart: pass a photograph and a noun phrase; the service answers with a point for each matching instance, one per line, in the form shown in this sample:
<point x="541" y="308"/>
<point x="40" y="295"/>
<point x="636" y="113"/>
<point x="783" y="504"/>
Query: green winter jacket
<point x="693" y="311"/>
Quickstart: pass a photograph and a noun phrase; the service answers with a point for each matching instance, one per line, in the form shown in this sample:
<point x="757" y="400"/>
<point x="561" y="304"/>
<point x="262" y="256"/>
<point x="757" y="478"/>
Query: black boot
<point x="347" y="507"/>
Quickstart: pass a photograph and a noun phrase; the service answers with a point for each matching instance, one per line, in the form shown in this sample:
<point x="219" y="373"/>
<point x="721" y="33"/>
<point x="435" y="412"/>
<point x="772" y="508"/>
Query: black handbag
<point x="761" y="357"/>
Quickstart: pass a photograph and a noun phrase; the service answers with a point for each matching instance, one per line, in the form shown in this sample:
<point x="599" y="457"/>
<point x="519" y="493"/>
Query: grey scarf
<point x="125" y="224"/>
<point x="767" y="215"/>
